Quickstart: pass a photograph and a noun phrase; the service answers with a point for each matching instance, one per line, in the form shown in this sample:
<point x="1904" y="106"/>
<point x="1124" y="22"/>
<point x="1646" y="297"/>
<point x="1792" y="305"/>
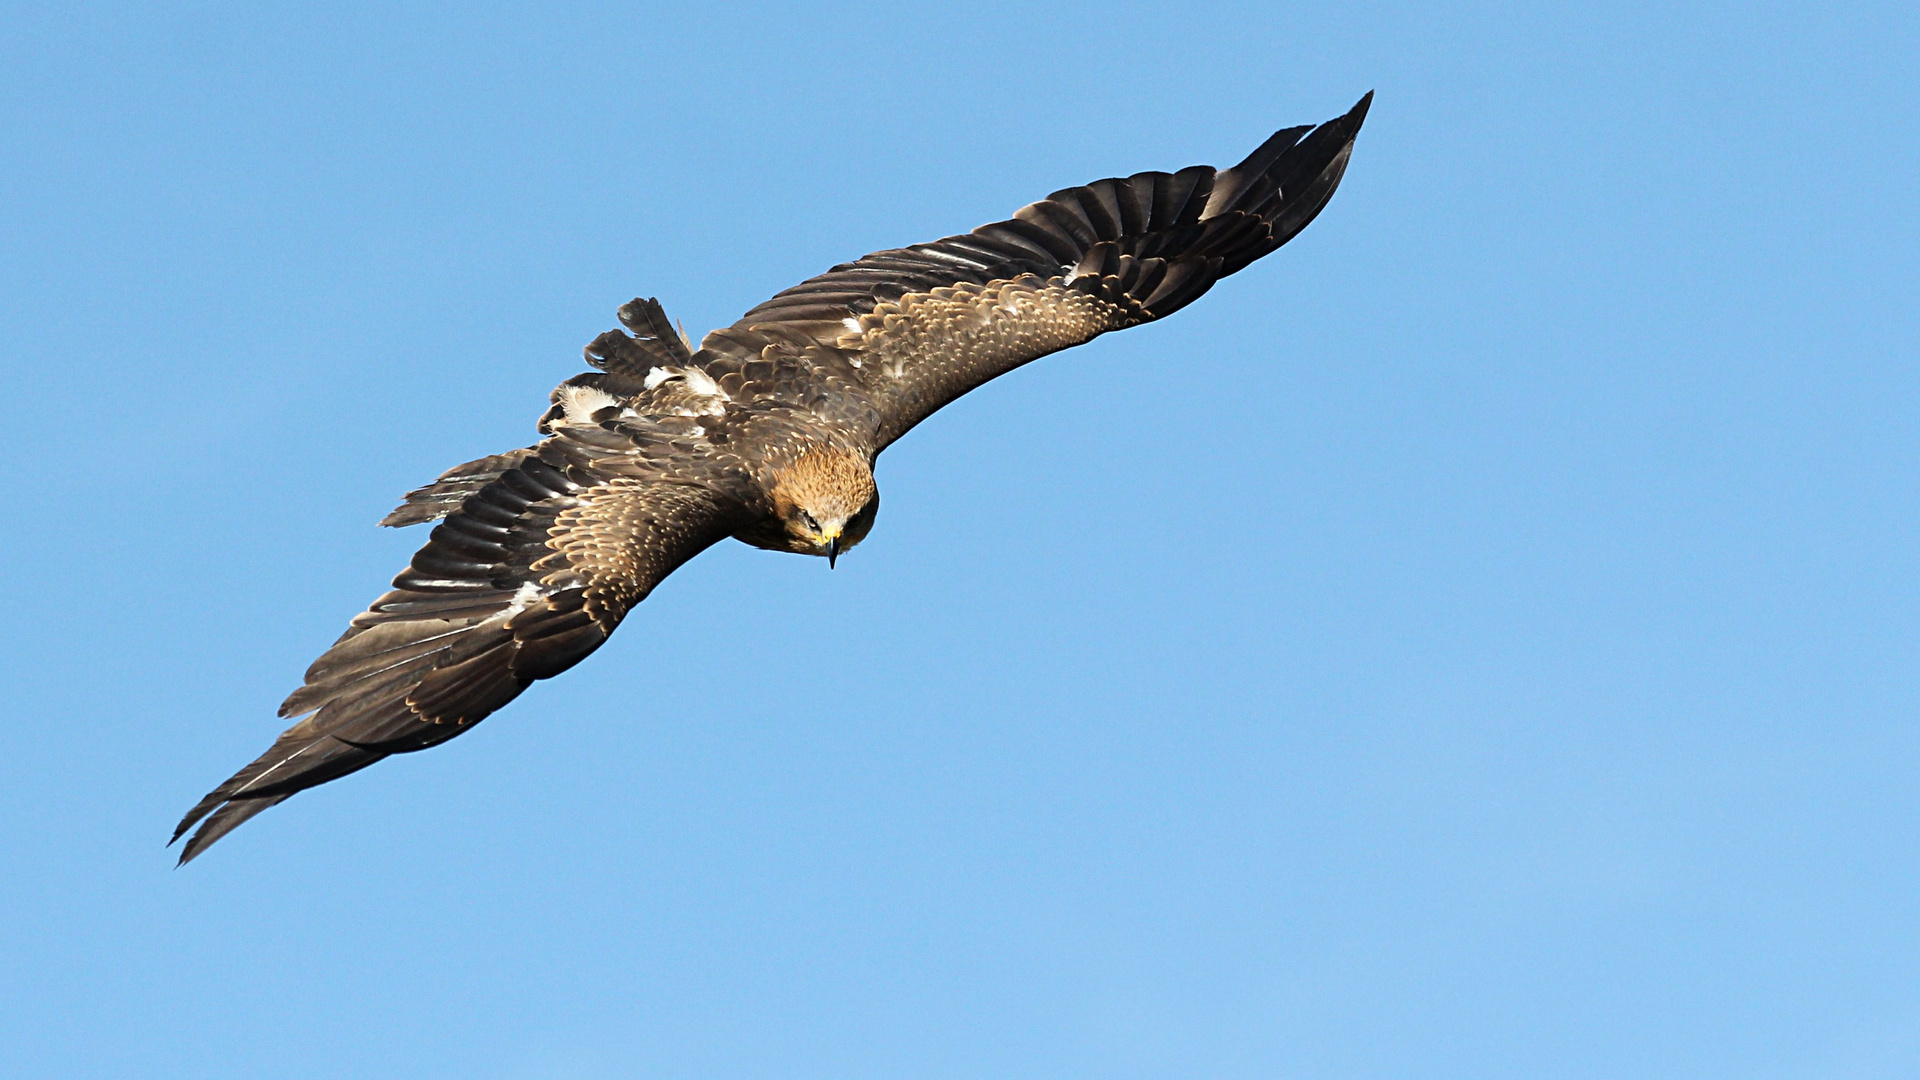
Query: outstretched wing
<point x="537" y="566"/>
<point x="925" y="324"/>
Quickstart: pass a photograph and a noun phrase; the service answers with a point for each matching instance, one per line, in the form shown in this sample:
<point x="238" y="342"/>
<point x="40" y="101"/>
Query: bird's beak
<point x="833" y="549"/>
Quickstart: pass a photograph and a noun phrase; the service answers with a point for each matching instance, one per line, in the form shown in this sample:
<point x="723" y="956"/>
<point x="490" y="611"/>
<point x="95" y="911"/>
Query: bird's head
<point x="826" y="501"/>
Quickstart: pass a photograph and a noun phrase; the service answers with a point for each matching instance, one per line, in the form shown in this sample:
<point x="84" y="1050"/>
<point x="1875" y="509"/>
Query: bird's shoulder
<point x="713" y="421"/>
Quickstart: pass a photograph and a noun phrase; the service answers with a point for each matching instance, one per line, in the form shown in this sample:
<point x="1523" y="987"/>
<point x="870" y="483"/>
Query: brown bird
<point x="768" y="433"/>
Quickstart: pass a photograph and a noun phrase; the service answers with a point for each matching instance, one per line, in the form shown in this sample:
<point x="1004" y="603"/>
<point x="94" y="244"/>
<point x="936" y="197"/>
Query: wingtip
<point x="1358" y="114"/>
<point x="187" y="823"/>
<point x="224" y="820"/>
<point x="186" y="853"/>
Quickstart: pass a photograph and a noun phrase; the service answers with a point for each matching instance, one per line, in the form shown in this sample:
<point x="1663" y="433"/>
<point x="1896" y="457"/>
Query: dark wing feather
<point x="654" y="342"/>
<point x="536" y="568"/>
<point x="925" y="324"/>
<point x="452" y="488"/>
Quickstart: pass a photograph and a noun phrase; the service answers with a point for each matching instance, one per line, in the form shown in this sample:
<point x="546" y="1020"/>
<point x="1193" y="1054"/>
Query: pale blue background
<point x="1477" y="641"/>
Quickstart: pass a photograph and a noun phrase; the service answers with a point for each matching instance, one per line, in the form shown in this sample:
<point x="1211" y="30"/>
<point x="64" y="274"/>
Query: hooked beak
<point x="833" y="550"/>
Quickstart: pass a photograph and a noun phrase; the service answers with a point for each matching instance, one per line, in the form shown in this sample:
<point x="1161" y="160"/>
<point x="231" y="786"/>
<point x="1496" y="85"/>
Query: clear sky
<point x="1477" y="641"/>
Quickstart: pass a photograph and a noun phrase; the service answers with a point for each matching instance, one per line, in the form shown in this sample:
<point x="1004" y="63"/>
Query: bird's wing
<point x="923" y="325"/>
<point x="543" y="557"/>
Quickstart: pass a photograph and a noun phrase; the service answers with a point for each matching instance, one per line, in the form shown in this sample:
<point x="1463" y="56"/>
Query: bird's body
<point x="767" y="433"/>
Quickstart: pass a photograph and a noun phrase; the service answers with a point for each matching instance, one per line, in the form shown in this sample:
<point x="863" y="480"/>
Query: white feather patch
<point x="697" y="382"/>
<point x="581" y="402"/>
<point x="523" y="598"/>
<point x="701" y="383"/>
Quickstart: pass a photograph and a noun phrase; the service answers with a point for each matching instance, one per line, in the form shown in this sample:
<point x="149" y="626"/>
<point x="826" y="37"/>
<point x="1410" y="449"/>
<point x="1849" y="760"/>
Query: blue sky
<point x="1477" y="641"/>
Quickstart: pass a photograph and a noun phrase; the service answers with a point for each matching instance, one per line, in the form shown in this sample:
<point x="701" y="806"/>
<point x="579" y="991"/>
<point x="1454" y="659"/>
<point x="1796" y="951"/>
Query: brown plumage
<point x="825" y="498"/>
<point x="767" y="433"/>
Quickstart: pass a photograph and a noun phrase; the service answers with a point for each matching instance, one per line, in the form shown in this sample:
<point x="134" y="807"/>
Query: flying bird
<point x="766" y="433"/>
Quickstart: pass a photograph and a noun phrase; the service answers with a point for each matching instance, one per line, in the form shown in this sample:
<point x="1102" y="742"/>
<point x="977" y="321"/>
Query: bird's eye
<point x="808" y="519"/>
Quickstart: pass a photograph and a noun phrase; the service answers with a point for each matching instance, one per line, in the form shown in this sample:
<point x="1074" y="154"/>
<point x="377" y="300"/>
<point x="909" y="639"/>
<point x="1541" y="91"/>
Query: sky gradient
<point x="1478" y="640"/>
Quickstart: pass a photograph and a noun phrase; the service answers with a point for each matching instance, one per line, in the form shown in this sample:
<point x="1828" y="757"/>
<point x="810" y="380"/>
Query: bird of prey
<point x="766" y="433"/>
